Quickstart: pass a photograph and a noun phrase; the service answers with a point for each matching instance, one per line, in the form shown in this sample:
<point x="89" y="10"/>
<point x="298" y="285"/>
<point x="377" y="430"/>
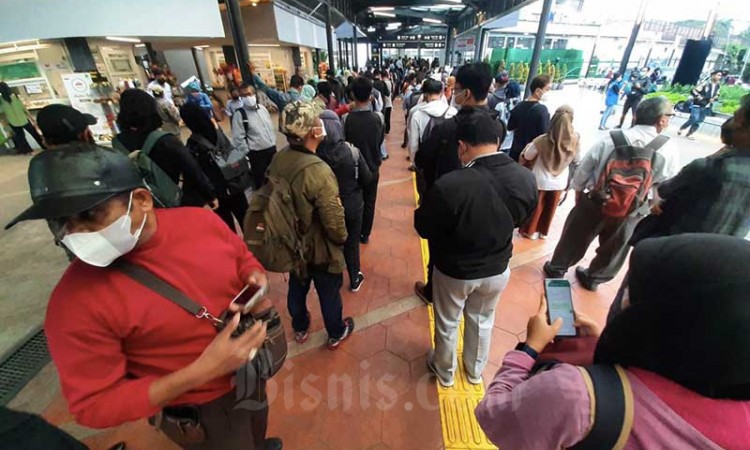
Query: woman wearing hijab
<point x="683" y="344"/>
<point x="549" y="157"/>
<point x="18" y="119"/>
<point x="352" y="175"/>
<point x="206" y="142"/>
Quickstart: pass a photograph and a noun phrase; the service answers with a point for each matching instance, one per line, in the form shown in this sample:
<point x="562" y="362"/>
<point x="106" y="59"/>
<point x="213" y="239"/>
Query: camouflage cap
<point x="299" y="117"/>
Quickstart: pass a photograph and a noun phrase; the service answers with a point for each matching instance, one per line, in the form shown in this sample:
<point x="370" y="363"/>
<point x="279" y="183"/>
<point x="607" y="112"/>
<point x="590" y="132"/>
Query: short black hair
<point x="727" y="132"/>
<point x="138" y="111"/>
<point x="245" y="86"/>
<point x="324" y="89"/>
<point x="477" y="127"/>
<point x="540" y="82"/>
<point x="296" y="81"/>
<point x="431" y="87"/>
<point x="362" y="89"/>
<point x="477" y="78"/>
<point x="717" y="71"/>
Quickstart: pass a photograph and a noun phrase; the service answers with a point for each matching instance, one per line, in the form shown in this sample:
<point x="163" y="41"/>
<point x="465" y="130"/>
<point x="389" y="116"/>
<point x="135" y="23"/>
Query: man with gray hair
<point x="598" y="187"/>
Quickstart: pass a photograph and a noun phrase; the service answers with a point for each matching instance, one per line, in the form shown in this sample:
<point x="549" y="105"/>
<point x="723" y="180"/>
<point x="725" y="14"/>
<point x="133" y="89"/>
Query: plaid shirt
<point x="711" y="195"/>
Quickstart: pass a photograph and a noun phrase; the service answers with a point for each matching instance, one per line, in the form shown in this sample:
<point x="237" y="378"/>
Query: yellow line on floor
<point x="460" y="428"/>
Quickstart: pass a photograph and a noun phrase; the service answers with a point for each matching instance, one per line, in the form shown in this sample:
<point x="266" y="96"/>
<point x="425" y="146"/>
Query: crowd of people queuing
<point x="487" y="162"/>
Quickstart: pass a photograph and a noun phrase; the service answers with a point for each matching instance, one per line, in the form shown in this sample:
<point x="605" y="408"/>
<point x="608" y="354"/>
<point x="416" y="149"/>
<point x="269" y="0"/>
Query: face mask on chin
<point x="101" y="248"/>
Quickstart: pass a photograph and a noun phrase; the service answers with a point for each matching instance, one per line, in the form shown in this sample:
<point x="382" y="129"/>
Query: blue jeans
<point x="697" y="116"/>
<point x="606" y="115"/>
<point x="327" y="286"/>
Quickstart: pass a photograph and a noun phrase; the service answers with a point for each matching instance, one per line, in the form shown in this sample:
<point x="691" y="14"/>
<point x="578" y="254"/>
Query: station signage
<point x="432" y="41"/>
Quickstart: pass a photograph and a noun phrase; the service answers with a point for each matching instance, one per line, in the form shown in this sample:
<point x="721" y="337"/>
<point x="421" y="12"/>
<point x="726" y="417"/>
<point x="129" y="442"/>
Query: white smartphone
<point x="560" y="304"/>
<point x="248" y="297"/>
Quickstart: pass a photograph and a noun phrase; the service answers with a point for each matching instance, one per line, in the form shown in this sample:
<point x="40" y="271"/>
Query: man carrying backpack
<point x="427" y="115"/>
<point x="612" y="185"/>
<point x="319" y="216"/>
<point x="254" y="134"/>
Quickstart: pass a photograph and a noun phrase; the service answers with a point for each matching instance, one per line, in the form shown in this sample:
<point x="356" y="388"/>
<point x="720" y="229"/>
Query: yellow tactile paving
<point x="460" y="428"/>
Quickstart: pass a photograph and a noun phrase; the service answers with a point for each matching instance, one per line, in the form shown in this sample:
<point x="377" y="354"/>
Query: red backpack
<point x="628" y="175"/>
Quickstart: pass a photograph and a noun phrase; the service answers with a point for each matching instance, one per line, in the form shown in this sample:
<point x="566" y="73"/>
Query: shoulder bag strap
<point x="151" y="140"/>
<point x="611" y="406"/>
<point x="619" y="138"/>
<point x="658" y="142"/>
<point x="245" y="126"/>
<point x="146" y="278"/>
<point x="355" y="157"/>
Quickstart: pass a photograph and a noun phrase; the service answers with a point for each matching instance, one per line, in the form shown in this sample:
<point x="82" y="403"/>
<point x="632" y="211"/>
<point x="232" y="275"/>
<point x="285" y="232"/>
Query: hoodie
<point x="420" y="117"/>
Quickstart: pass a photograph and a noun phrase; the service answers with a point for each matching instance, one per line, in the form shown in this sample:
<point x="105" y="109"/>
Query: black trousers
<point x="19" y="138"/>
<point x="631" y="105"/>
<point x="234" y="206"/>
<point x="328" y="287"/>
<point x="584" y="223"/>
<point x="259" y="162"/>
<point x="370" y="196"/>
<point x="387" y="114"/>
<point x="353" y="219"/>
<point x="235" y="421"/>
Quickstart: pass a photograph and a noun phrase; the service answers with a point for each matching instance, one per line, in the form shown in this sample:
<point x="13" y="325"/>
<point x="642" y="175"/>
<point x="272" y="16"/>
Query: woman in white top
<point x="549" y="156"/>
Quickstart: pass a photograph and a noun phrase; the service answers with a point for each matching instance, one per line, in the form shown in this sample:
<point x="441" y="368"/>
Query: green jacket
<point x="318" y="207"/>
<point x="14" y="111"/>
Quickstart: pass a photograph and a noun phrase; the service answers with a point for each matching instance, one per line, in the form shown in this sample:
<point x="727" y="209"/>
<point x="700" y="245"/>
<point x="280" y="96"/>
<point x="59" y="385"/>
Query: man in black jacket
<point x="438" y="152"/>
<point x="469" y="216"/>
<point x="364" y="128"/>
<point x="640" y="84"/>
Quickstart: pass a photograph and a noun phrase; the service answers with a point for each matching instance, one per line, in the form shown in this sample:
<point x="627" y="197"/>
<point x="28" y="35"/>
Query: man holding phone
<point x="122" y="351"/>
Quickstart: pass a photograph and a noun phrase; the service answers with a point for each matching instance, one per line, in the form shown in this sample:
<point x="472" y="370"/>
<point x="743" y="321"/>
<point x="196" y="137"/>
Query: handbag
<point x="270" y="356"/>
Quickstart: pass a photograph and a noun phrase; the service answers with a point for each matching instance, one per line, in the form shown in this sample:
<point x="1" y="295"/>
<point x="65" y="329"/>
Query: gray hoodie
<point x="419" y="118"/>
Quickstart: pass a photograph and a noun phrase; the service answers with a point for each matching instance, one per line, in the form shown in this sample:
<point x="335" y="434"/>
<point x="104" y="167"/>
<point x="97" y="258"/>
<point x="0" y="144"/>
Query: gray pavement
<point x="31" y="265"/>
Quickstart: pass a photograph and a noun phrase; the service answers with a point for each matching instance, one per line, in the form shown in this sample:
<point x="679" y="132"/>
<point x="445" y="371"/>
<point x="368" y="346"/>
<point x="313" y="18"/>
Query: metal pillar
<point x="479" y="45"/>
<point x="380" y="55"/>
<point x="329" y="39"/>
<point x="448" y="45"/>
<point x="236" y="26"/>
<point x="342" y="64"/>
<point x="198" y="67"/>
<point x="355" y="58"/>
<point x="633" y="37"/>
<point x="538" y="44"/>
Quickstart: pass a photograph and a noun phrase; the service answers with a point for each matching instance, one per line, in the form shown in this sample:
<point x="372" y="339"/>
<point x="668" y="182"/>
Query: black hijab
<point x="197" y="121"/>
<point x="689" y="314"/>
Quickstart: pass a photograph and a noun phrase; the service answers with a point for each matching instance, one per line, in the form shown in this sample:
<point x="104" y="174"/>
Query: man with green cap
<point x="123" y="351"/>
<point x="321" y="218"/>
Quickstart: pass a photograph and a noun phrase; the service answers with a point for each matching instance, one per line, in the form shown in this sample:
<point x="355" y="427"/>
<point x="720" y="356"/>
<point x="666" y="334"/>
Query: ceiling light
<point x="428" y="20"/>
<point x="254" y="3"/>
<point x="454" y="1"/>
<point x="383" y="14"/>
<point x="200" y="47"/>
<point x="140" y="45"/>
<point x="370" y="29"/>
<point x="393" y="26"/>
<point x="381" y="8"/>
<point x="263" y="45"/>
<point x="123" y="39"/>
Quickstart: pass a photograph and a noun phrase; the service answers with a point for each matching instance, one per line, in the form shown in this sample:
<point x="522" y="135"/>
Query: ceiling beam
<point x="418" y="14"/>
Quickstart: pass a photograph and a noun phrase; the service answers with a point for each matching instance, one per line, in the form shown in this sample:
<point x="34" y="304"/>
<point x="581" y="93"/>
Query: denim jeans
<point x="327" y="286"/>
<point x="607" y="114"/>
<point x="697" y="116"/>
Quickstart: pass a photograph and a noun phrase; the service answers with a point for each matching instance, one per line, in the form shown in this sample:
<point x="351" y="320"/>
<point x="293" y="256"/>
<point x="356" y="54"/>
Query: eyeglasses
<point x="670" y="115"/>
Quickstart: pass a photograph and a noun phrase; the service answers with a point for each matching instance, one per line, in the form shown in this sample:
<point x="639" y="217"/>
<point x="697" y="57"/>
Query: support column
<point x="354" y="47"/>
<point x="237" y="27"/>
<point x="342" y="64"/>
<point x="448" y="44"/>
<point x="329" y="39"/>
<point x="538" y="44"/>
<point x="198" y="66"/>
<point x="296" y="59"/>
<point x="633" y="37"/>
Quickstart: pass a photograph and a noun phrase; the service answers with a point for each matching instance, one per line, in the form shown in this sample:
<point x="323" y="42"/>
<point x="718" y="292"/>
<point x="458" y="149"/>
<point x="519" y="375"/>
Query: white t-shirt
<point x="545" y="181"/>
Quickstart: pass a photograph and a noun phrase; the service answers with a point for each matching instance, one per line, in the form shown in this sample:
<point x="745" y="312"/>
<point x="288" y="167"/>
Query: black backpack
<point x="431" y="125"/>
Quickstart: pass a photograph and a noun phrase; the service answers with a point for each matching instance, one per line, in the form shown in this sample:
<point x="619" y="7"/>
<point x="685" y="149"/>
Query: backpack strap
<point x="657" y="143"/>
<point x="243" y="113"/>
<point x="611" y="407"/>
<point x="151" y="140"/>
<point x="118" y="145"/>
<point x="619" y="138"/>
<point x="355" y="157"/>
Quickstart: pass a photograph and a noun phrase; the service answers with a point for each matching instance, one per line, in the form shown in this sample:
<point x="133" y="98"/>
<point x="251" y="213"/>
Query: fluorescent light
<point x="381" y="8"/>
<point x="393" y="26"/>
<point x="431" y="20"/>
<point x="123" y="39"/>
<point x="201" y="47"/>
<point x="263" y="45"/>
<point x="140" y="45"/>
<point x="383" y="14"/>
<point x="454" y="1"/>
<point x="370" y="29"/>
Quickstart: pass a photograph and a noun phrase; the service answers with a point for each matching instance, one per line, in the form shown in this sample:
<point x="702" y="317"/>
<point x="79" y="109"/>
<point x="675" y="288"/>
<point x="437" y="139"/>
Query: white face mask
<point x="101" y="248"/>
<point x="250" y="101"/>
<point x="545" y="97"/>
<point x="323" y="132"/>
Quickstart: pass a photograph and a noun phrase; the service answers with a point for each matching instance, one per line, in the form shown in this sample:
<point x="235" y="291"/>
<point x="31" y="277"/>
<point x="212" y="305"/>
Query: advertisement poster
<point x="83" y="98"/>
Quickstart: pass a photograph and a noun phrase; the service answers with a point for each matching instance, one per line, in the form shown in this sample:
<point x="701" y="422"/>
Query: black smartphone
<point x="248" y="297"/>
<point x="560" y="305"/>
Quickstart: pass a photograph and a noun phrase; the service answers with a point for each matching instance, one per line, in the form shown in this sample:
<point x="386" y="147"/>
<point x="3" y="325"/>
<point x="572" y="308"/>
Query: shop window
<point x="560" y="44"/>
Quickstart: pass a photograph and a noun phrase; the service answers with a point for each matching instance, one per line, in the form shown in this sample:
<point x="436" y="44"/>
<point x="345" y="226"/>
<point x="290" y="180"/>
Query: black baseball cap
<point x="74" y="178"/>
<point x="62" y="124"/>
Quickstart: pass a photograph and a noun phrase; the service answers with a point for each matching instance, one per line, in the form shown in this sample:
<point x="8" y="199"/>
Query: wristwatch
<point x="522" y="347"/>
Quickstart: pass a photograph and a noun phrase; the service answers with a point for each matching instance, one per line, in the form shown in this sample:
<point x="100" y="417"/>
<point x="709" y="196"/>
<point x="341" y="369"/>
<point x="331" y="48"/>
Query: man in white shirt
<point x="432" y="108"/>
<point x="160" y="80"/>
<point x="388" y="107"/>
<point x="587" y="221"/>
<point x="254" y="134"/>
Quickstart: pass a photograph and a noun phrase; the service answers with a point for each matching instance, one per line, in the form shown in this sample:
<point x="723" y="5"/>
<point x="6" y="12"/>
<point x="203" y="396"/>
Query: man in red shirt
<point x="123" y="352"/>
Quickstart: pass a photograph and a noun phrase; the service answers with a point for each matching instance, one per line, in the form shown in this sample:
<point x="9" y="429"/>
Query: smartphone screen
<point x="560" y="304"/>
<point x="246" y="296"/>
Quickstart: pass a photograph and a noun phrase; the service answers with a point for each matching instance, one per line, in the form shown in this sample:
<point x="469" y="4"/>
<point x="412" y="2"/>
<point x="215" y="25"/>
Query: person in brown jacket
<point x="321" y="221"/>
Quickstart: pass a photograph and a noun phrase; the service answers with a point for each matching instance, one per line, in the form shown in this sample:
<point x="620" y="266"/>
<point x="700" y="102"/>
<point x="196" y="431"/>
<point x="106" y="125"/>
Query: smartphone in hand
<point x="248" y="297"/>
<point x="560" y="305"/>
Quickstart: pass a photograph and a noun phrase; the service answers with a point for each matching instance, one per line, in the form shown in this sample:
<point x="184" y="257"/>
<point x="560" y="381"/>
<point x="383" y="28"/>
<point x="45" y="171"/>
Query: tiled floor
<point x="374" y="393"/>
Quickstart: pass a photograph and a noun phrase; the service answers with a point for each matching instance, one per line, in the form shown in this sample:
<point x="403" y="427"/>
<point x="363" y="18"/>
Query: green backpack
<point x="165" y="191"/>
<point x="271" y="225"/>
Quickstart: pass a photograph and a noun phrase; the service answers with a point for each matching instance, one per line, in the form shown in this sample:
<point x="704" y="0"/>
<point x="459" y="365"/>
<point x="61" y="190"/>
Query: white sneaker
<point x="433" y="369"/>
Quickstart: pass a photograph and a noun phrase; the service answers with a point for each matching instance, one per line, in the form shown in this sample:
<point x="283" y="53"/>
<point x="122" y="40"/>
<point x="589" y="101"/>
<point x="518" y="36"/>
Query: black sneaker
<point x="583" y="278"/>
<point x="356" y="283"/>
<point x="333" y="343"/>
<point x="300" y="336"/>
<point x="421" y="292"/>
<point x="364" y="239"/>
<point x="549" y="272"/>
<point x="272" y="444"/>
